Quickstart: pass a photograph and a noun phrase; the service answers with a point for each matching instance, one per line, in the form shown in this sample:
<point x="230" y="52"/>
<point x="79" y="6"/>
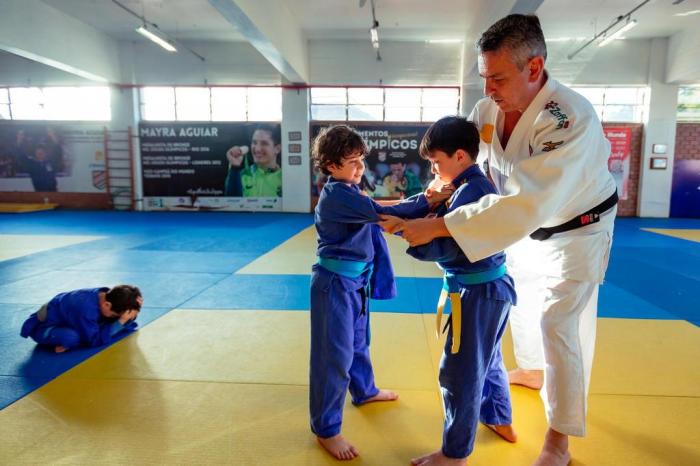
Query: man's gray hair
<point x="521" y="35"/>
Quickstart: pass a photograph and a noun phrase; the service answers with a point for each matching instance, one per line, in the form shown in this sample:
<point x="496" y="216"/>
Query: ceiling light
<point x="629" y="25"/>
<point x="374" y="35"/>
<point x="144" y="31"/>
<point x="688" y="13"/>
<point x="604" y="33"/>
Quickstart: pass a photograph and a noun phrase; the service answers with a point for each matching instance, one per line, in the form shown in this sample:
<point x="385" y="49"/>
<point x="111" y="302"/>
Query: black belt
<point x="587" y="218"/>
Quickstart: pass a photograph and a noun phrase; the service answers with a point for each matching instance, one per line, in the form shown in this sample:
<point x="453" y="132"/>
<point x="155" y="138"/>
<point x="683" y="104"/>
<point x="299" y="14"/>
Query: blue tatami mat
<point x="159" y="289"/>
<point x="25" y="366"/>
<point x="170" y="261"/>
<point x="291" y="292"/>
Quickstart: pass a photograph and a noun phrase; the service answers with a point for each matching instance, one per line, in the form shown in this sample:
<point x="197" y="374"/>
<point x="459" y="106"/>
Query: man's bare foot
<point x="555" y="451"/>
<point x="383" y="395"/>
<point x="437" y="458"/>
<point x="60" y="349"/>
<point x="339" y="447"/>
<point x="505" y="431"/>
<point x="527" y="378"/>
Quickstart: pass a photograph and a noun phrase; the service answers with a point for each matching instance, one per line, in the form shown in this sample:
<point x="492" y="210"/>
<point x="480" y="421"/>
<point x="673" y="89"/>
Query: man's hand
<point x="423" y="230"/>
<point x="129" y="315"/>
<point x="235" y="155"/>
<point x="391" y="224"/>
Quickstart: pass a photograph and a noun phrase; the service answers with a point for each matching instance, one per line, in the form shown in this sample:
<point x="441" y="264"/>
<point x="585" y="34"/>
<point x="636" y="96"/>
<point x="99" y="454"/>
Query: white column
<point x="654" y="199"/>
<point x="470" y="96"/>
<point x="296" y="169"/>
<point x="125" y="114"/>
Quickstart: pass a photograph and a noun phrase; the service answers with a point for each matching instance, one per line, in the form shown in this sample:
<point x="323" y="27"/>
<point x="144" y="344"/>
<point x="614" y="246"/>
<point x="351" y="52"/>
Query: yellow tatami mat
<point x="690" y="235"/>
<point x="12" y="246"/>
<point x="16" y="207"/>
<point x="296" y="256"/>
<point x="230" y="387"/>
<point x="267" y="347"/>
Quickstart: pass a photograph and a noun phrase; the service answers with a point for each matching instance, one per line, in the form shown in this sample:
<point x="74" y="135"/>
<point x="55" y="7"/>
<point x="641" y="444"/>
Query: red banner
<point x="620" y="138"/>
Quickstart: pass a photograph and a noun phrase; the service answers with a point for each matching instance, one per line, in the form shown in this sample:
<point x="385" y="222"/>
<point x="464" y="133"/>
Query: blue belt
<point x="450" y="287"/>
<point x="346" y="268"/>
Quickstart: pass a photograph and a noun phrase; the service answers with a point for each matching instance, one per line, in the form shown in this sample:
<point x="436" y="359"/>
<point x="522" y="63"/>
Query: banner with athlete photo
<point x="393" y="166"/>
<point x="223" y="166"/>
<point x="52" y="157"/>
<point x="620" y="138"/>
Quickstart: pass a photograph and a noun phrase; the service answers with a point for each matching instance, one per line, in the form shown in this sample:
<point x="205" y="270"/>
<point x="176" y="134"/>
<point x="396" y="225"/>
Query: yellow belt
<point x="450" y="287"/>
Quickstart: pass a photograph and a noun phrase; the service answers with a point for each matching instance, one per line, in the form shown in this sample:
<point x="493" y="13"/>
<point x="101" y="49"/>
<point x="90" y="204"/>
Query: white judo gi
<point x="553" y="169"/>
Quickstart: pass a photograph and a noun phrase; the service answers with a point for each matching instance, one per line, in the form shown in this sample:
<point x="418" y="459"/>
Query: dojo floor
<point x="217" y="373"/>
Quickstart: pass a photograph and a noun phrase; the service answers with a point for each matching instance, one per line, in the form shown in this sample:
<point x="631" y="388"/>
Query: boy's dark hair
<point x="334" y="144"/>
<point x="274" y="131"/>
<point x="521" y="35"/>
<point x="450" y="134"/>
<point x="124" y="298"/>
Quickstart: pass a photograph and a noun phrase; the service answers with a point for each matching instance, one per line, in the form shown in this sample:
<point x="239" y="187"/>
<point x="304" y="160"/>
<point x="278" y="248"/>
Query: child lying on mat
<point x="87" y="317"/>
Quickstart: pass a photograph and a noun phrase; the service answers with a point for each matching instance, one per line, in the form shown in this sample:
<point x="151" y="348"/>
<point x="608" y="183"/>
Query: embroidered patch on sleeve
<point x="555" y="110"/>
<point x="549" y="145"/>
<point x="486" y="133"/>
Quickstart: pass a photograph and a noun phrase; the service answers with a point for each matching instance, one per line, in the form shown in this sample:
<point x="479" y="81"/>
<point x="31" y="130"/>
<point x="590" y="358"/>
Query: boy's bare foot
<point x="60" y="349"/>
<point x="437" y="458"/>
<point x="505" y="431"/>
<point x="555" y="451"/>
<point x="527" y="378"/>
<point x="383" y="395"/>
<point x="339" y="447"/>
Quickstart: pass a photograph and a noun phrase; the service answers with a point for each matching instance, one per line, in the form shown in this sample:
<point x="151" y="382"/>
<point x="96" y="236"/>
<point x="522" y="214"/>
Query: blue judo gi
<point x="473" y="381"/>
<point x="353" y="266"/>
<point x="73" y="319"/>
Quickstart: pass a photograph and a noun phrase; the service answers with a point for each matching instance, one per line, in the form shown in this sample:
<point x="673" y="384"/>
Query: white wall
<point x="18" y="71"/>
<point x="654" y="199"/>
<point x="226" y="63"/>
<point x="296" y="179"/>
<point x="683" y="65"/>
<point x="33" y="29"/>
<point x="403" y="63"/>
<point x="622" y="62"/>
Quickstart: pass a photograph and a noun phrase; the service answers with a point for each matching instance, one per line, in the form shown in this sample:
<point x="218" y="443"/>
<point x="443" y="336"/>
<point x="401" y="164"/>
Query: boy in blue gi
<point x="473" y="379"/>
<point x="87" y="317"/>
<point x="353" y="265"/>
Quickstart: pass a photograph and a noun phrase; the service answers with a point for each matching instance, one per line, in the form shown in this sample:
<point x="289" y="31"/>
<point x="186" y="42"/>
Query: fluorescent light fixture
<point x="629" y="25"/>
<point x="155" y="38"/>
<point x="688" y="13"/>
<point x="374" y="35"/>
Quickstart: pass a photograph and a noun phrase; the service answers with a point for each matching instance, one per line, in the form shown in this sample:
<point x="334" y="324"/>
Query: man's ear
<point x="536" y="68"/>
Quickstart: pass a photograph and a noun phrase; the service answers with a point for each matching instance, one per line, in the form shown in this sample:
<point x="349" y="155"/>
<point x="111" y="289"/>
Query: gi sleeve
<point x="540" y="185"/>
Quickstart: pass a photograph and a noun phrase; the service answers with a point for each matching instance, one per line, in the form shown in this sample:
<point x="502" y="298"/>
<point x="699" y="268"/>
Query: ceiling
<point x="567" y="24"/>
<point x="406" y="20"/>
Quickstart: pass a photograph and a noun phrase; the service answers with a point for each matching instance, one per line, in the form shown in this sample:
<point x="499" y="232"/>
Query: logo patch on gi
<point x="555" y="110"/>
<point x="486" y="133"/>
<point x="549" y="145"/>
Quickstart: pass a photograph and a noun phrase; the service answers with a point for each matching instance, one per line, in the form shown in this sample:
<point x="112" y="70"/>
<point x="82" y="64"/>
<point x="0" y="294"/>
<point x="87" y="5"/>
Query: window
<point x="383" y="104"/>
<point x="688" y="104"/>
<point x="5" y="104"/>
<point x="193" y="103"/>
<point x="211" y="103"/>
<point x="158" y="103"/>
<point x="55" y="103"/>
<point x="619" y="104"/>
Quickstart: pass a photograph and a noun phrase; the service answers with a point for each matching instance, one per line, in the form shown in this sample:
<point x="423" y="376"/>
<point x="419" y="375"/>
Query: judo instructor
<point x="546" y="153"/>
